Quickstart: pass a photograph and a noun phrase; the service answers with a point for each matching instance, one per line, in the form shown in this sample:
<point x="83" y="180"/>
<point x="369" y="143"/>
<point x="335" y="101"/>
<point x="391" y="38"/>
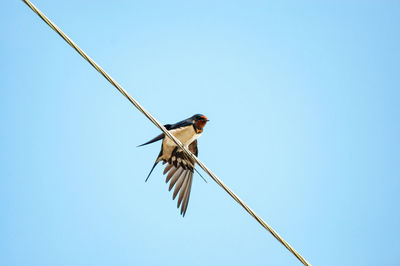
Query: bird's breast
<point x="186" y="135"/>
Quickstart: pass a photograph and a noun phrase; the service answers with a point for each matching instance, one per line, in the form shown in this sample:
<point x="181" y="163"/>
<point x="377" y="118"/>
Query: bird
<point x="180" y="167"/>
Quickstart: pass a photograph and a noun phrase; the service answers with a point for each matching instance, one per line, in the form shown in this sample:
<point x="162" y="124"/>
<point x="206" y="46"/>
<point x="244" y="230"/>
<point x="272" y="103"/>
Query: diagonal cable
<point x="166" y="132"/>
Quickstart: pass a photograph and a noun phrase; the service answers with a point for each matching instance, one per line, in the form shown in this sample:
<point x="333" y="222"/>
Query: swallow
<point x="180" y="167"/>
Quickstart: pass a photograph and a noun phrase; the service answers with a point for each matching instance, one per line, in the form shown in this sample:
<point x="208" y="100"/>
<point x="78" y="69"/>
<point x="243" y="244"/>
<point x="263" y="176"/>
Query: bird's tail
<point x="151" y="170"/>
<point x="155" y="163"/>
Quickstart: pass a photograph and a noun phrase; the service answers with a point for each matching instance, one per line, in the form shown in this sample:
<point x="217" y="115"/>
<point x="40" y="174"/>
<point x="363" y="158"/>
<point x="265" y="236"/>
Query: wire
<point x="166" y="132"/>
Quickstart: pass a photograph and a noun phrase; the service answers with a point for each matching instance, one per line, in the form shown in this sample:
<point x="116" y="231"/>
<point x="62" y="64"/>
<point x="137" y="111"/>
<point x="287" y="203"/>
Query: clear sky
<point x="304" y="103"/>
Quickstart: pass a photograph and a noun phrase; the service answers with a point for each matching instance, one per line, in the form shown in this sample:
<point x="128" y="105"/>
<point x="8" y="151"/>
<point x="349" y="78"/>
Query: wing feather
<point x="180" y="183"/>
<point x="175" y="178"/>
<point x="180" y="175"/>
<point x="167" y="168"/>
<point x="182" y="192"/>
<point x="187" y="195"/>
<point x="171" y="173"/>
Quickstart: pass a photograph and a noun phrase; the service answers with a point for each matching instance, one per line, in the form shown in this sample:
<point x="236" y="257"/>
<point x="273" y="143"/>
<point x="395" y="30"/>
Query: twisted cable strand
<point x="166" y="132"/>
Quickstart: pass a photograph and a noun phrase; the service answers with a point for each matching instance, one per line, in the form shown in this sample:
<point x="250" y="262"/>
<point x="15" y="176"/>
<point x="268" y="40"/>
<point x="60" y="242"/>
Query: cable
<point x="166" y="132"/>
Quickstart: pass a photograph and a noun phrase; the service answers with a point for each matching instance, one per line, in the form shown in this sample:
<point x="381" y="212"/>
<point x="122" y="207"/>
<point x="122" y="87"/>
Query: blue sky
<point x="303" y="98"/>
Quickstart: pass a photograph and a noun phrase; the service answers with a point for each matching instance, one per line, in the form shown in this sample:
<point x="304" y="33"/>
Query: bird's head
<point x="200" y="121"/>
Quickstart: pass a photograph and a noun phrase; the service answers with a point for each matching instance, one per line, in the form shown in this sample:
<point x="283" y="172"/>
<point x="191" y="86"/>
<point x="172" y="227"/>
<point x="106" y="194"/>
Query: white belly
<point x="185" y="135"/>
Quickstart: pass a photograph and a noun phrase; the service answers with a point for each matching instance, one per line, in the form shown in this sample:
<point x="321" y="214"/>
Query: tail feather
<point x="155" y="163"/>
<point x="151" y="170"/>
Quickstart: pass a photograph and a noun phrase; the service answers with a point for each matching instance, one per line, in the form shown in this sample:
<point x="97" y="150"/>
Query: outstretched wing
<point x="180" y="174"/>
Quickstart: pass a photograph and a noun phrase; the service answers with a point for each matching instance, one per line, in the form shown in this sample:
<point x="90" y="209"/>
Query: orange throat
<point x="199" y="125"/>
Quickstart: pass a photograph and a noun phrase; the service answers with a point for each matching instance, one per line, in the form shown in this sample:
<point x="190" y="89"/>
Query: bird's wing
<point x="183" y="123"/>
<point x="159" y="137"/>
<point x="180" y="174"/>
<point x="168" y="127"/>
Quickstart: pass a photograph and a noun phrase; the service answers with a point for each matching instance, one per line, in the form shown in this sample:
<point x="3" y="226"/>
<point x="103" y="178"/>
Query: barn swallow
<point x="180" y="167"/>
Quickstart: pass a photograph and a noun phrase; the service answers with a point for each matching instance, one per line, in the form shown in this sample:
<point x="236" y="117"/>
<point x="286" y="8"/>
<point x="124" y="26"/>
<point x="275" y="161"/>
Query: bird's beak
<point x="207" y="120"/>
